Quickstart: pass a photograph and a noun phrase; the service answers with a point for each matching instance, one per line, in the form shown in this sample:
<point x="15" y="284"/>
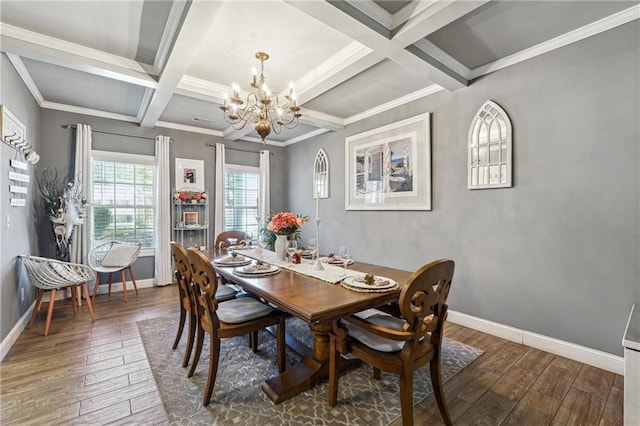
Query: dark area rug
<point x="238" y="400"/>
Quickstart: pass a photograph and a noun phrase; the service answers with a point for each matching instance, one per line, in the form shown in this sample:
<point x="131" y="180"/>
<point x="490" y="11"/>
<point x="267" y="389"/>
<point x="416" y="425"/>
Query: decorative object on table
<point x="65" y="206"/>
<point x="261" y="105"/>
<point x="389" y="168"/>
<point x="490" y="148"/>
<point x="189" y="175"/>
<point x="283" y="226"/>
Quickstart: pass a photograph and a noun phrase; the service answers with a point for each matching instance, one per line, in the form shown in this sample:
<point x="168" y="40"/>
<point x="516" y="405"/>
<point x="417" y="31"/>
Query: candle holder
<point x="317" y="266"/>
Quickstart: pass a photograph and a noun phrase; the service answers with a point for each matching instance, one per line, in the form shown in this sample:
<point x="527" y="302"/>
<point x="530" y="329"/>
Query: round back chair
<point x="113" y="257"/>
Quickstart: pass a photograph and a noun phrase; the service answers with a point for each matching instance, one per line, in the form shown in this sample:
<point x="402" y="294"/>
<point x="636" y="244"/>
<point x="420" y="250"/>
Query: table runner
<point x="331" y="274"/>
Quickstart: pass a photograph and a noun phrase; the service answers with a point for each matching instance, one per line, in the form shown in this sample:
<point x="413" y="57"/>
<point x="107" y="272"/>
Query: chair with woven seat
<point x="235" y="317"/>
<point x="113" y="257"/>
<point x="229" y="238"/>
<point x="187" y="298"/>
<point x="53" y="275"/>
<point x="400" y="344"/>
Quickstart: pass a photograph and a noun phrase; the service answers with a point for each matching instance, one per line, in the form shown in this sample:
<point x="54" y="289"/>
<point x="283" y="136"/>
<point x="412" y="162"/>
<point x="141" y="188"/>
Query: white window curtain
<point x="162" y="270"/>
<point x="219" y="196"/>
<point x="264" y="208"/>
<point x="81" y="240"/>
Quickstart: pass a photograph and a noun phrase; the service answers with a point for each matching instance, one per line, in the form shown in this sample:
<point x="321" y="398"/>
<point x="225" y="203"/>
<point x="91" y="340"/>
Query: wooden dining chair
<point x="222" y="240"/>
<point x="235" y="317"/>
<point x="400" y="344"/>
<point x="187" y="298"/>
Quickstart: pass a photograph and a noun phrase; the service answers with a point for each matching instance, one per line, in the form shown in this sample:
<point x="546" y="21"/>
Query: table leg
<point x="305" y="374"/>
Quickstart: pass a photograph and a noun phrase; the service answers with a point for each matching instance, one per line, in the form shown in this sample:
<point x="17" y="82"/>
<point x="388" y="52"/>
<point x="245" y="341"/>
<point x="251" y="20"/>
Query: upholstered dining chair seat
<point x="225" y="292"/>
<point x="236" y="311"/>
<point x="374" y="341"/>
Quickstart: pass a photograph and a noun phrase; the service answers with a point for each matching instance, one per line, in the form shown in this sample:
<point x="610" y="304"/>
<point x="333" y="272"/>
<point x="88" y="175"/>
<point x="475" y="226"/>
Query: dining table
<point x="318" y="303"/>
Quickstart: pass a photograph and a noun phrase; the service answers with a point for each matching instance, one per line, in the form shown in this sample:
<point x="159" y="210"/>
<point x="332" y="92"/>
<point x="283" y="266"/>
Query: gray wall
<point x="21" y="237"/>
<point x="557" y="254"/>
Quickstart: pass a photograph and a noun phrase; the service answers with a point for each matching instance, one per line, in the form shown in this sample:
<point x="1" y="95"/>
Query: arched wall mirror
<point x="321" y="175"/>
<point x="490" y="148"/>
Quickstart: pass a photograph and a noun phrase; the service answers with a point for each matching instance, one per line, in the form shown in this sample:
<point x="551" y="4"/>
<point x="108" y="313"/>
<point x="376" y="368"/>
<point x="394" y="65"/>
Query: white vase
<point x="280" y="246"/>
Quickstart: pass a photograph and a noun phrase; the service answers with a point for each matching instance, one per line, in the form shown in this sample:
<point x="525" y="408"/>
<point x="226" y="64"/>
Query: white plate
<point x="272" y="269"/>
<point x="351" y="281"/>
<point x="337" y="261"/>
<point x="242" y="262"/>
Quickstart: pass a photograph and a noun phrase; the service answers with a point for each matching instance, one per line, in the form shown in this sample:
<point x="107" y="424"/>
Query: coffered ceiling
<point x="168" y="63"/>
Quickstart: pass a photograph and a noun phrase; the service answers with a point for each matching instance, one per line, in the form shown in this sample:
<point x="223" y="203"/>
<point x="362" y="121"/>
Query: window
<point x="490" y="148"/>
<point x="241" y="193"/>
<point x="123" y="198"/>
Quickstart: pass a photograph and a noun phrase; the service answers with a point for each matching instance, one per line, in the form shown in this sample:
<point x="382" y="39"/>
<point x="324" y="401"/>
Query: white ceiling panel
<point x="194" y="112"/>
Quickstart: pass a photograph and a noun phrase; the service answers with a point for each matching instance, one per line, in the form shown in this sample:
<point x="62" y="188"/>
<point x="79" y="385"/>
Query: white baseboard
<point x="583" y="354"/>
<point x="15" y="332"/>
<point x="22" y="323"/>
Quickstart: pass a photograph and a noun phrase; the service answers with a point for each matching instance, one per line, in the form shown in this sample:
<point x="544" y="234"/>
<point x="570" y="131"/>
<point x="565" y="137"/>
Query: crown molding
<point x="574" y="36"/>
<point x="88" y="111"/>
<point x="430" y="90"/>
<point x="409" y="11"/>
<point x="444" y="58"/>
<point x="168" y="35"/>
<point x="306" y="136"/>
<point x="24" y="74"/>
<point x="187" y="128"/>
<point x="373" y="11"/>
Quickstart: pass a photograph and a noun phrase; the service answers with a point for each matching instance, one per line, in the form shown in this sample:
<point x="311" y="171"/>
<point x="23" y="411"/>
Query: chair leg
<point x="183" y="315"/>
<point x="85" y="289"/>
<point x="50" y="311"/>
<point x="196" y="358"/>
<point x="281" y="346"/>
<point x="109" y="284"/>
<point x="36" y="307"/>
<point x="214" y="356"/>
<point x="406" y="397"/>
<point x="124" y="285"/>
<point x="376" y="373"/>
<point x="333" y="372"/>
<point x="438" y="389"/>
<point x="193" y="321"/>
<point x="133" y="280"/>
<point x="95" y="287"/>
<point x="73" y="299"/>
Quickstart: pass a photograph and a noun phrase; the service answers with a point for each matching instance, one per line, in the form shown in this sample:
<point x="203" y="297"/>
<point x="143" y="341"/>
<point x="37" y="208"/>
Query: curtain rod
<point x="73" y="126"/>
<point x="210" y="145"/>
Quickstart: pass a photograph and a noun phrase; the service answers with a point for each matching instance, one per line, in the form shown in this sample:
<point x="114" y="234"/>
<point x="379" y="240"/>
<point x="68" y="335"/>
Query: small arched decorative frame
<point x="490" y="148"/>
<point x="321" y="175"/>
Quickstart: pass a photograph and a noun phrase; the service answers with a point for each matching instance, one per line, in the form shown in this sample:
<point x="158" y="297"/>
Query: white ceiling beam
<point x="48" y="49"/>
<point x="378" y="43"/>
<point x="199" y="19"/>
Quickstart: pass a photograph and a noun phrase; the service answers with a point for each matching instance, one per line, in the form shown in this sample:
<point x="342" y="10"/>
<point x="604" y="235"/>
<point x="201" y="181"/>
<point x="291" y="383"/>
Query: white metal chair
<point x="50" y="274"/>
<point x="114" y="257"/>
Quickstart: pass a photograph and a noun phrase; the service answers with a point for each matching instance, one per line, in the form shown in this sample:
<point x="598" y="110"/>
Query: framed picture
<point x="189" y="175"/>
<point x="190" y="219"/>
<point x="389" y="168"/>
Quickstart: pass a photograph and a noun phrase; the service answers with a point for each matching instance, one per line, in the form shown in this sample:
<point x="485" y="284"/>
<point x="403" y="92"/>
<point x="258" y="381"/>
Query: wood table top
<point x="311" y="299"/>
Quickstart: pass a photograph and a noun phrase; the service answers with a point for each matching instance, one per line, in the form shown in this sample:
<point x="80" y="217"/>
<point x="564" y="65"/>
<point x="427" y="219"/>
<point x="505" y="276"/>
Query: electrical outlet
<point x="21" y="295"/>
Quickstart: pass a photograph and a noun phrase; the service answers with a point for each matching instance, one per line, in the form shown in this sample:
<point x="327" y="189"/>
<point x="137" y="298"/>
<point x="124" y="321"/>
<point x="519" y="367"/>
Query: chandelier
<point x="261" y="106"/>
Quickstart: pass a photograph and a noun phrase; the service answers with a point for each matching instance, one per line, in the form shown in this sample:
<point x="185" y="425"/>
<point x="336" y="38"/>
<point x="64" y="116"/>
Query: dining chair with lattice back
<point x="235" y="317"/>
<point x="53" y="275"/>
<point x="187" y="298"/>
<point x="400" y="344"/>
<point x="113" y="257"/>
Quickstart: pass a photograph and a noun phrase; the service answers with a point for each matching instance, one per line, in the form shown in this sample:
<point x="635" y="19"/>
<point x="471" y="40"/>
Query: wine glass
<point x="292" y="246"/>
<point x="345" y="255"/>
<point x="248" y="238"/>
<point x="312" y="245"/>
<point x="262" y="244"/>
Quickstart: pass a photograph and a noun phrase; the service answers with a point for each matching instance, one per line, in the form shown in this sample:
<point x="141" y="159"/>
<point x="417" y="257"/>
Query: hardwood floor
<point x="85" y="373"/>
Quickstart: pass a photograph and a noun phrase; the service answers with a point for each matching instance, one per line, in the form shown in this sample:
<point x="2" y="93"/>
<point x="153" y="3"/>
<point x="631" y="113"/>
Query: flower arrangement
<point x="284" y="223"/>
<point x="189" y="196"/>
<point x="65" y="206"/>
